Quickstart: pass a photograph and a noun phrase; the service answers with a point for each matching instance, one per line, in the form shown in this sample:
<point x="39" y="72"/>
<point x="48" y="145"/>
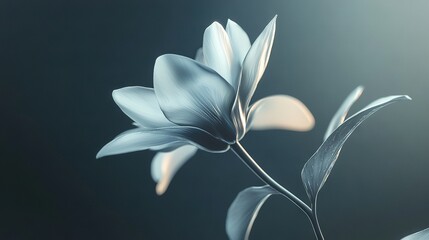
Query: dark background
<point x="60" y="61"/>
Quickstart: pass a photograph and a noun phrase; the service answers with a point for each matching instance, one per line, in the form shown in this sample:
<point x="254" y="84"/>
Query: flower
<point x="204" y="103"/>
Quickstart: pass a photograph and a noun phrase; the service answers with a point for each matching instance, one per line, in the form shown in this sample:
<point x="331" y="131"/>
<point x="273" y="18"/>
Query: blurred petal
<point x="191" y="94"/>
<point x="135" y="140"/>
<point x="341" y="114"/>
<point x="422" y="235"/>
<point x="256" y="61"/>
<point x="239" y="40"/>
<point x="199" y="56"/>
<point x="166" y="164"/>
<point x="244" y="209"/>
<point x="141" y="105"/>
<point x="280" y="112"/>
<point x="218" y="54"/>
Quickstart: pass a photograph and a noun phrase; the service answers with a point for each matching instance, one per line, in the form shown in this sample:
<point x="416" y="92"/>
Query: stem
<point x="253" y="165"/>
<point x="315" y="222"/>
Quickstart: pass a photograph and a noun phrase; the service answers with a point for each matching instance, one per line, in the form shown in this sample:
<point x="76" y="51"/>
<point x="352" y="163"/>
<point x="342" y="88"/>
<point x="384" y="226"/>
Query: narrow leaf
<point x="422" y="235"/>
<point x="341" y="114"/>
<point x="244" y="209"/>
<point x="317" y="169"/>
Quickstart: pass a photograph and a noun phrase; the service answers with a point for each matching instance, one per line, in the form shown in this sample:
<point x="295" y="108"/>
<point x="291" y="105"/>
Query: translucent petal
<point x="166" y="164"/>
<point x="192" y="94"/>
<point x="280" y="112"/>
<point x="239" y="40"/>
<point x="218" y="54"/>
<point x="317" y="169"/>
<point x="135" y="140"/>
<point x="341" y="114"/>
<point x="244" y="209"/>
<point x="256" y="61"/>
<point x="141" y="105"/>
<point x="422" y="235"/>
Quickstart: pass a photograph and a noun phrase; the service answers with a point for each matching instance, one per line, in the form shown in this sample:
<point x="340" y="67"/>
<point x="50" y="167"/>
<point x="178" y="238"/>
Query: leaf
<point x="422" y="235"/>
<point x="244" y="209"/>
<point x="317" y="169"/>
<point x="341" y="114"/>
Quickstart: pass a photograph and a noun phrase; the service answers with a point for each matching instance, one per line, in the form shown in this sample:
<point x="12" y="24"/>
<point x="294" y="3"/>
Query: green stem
<point x="253" y="165"/>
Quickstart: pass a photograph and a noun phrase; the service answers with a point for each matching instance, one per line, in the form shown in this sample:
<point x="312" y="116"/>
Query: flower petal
<point x="191" y="94"/>
<point x="239" y="40"/>
<point x="135" y="140"/>
<point x="280" y="112"/>
<point x="166" y="164"/>
<point x="256" y="61"/>
<point x="199" y="56"/>
<point x="141" y="105"/>
<point x="218" y="53"/>
<point x="421" y="235"/>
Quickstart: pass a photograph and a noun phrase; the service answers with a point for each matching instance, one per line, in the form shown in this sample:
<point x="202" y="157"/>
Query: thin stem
<point x="253" y="165"/>
<point x="315" y="222"/>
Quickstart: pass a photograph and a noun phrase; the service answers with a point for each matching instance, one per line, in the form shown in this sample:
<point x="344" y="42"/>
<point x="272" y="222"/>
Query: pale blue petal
<point x="135" y="140"/>
<point x="199" y="56"/>
<point x="141" y="105"/>
<point x="422" y="235"/>
<point x="239" y="40"/>
<point x="191" y="94"/>
<point x="218" y="54"/>
<point x="256" y="61"/>
<point x="166" y="164"/>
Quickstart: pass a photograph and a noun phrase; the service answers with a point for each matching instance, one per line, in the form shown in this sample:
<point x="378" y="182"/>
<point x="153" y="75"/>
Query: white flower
<point x="204" y="103"/>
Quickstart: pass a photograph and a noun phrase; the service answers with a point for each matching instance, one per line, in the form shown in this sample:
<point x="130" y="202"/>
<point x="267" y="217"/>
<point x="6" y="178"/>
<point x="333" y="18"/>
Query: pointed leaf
<point x="422" y="235"/>
<point x="319" y="166"/>
<point x="341" y="114"/>
<point x="244" y="209"/>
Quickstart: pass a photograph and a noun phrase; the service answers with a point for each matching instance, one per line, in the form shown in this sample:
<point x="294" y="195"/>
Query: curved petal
<point x="159" y="139"/>
<point x="280" y="112"/>
<point x="141" y="105"/>
<point x="256" y="61"/>
<point x="199" y="56"/>
<point x="341" y="114"/>
<point x="166" y="164"/>
<point x="239" y="40"/>
<point x="218" y="53"/>
<point x="421" y="235"/>
<point x="135" y="140"/>
<point x="191" y="94"/>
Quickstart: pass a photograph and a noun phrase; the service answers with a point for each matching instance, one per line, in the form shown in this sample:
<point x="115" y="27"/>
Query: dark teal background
<point x="60" y="61"/>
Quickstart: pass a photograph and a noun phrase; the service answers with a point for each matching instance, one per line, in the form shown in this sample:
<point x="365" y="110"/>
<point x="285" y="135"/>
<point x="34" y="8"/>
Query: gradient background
<point x="60" y="61"/>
